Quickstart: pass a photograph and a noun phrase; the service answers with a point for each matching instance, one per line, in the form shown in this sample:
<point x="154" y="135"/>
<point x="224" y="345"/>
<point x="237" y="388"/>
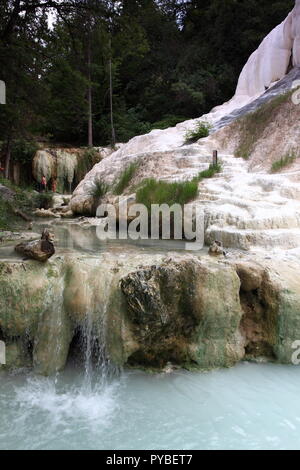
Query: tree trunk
<point x="90" y="109"/>
<point x="113" y="134"/>
<point x="16" y="173"/>
<point x="7" y="159"/>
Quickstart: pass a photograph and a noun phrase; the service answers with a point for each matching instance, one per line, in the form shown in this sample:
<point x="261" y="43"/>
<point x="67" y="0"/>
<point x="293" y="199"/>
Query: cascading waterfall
<point x="99" y="370"/>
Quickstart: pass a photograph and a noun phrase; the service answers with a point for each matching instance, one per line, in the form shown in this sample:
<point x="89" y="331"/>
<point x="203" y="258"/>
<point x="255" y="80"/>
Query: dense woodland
<point x="93" y="72"/>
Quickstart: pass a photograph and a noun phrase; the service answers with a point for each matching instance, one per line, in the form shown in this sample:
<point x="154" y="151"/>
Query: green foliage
<point x="161" y="192"/>
<point x="125" y="178"/>
<point x="130" y="123"/>
<point x="7" y="183"/>
<point x="23" y="151"/>
<point x="86" y="161"/>
<point x="200" y="131"/>
<point x="253" y="125"/>
<point x="284" y="162"/>
<point x="22" y="199"/>
<point x="210" y="172"/>
<point x="171" y="61"/>
<point x="167" y="121"/>
<point x="44" y="200"/>
<point x="5" y="215"/>
<point x="98" y="190"/>
<point x="152" y="191"/>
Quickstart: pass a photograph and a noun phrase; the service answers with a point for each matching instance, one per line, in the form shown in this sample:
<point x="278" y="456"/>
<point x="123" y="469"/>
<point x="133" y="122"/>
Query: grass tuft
<point x="161" y="192"/>
<point x="22" y="199"/>
<point x="210" y="172"/>
<point x="98" y="189"/>
<point x="284" y="162"/>
<point x="5" y="215"/>
<point x="125" y="178"/>
<point x="200" y="131"/>
<point x="44" y="200"/>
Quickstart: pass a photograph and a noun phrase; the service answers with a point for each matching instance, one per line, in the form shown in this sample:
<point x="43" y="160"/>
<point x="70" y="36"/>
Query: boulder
<point x="67" y="214"/>
<point x="216" y="249"/>
<point x="186" y="313"/>
<point x="251" y="275"/>
<point x="32" y="310"/>
<point x="39" y="250"/>
<point x="6" y="193"/>
<point x="58" y="201"/>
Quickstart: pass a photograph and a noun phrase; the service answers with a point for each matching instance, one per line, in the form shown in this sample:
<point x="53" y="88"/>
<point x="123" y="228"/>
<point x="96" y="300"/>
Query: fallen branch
<point x="22" y="215"/>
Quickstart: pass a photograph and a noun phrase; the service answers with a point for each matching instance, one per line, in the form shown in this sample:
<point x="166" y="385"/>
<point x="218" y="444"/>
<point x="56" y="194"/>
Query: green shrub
<point x="7" y="183"/>
<point x="161" y="192"/>
<point x="98" y="189"/>
<point x="125" y="178"/>
<point x="5" y="215"/>
<point x="128" y="123"/>
<point x="210" y="172"/>
<point x="200" y="131"/>
<point x="167" y="121"/>
<point x="44" y="200"/>
<point x="23" y="151"/>
<point x="86" y="161"/>
<point x="22" y="199"/>
<point x="283" y="162"/>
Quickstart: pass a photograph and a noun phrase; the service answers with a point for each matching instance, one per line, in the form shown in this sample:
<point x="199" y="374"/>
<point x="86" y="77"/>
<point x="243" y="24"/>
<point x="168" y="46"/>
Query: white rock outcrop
<point x="269" y="63"/>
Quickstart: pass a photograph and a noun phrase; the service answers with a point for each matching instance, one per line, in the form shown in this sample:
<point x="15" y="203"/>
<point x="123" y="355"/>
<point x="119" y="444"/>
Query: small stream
<point x="70" y="237"/>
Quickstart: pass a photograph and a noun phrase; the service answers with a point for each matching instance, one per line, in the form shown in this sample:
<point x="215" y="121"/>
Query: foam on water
<point x="45" y="413"/>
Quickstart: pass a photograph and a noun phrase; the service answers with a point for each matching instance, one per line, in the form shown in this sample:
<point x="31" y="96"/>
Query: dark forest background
<point x="158" y="61"/>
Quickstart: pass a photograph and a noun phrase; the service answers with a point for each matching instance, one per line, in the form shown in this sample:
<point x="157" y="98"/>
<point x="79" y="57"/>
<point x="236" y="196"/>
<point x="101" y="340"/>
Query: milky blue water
<point x="252" y="406"/>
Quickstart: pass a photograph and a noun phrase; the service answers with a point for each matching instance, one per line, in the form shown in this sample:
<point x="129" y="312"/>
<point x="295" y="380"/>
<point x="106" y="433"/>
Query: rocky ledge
<point x="150" y="311"/>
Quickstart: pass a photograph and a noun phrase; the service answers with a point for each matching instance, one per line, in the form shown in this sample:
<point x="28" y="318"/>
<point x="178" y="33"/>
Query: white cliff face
<point x="269" y="63"/>
<point x="296" y="33"/>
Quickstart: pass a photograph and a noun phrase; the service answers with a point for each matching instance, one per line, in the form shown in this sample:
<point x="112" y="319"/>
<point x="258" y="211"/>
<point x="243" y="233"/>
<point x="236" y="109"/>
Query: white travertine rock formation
<point x="269" y="63"/>
<point x="62" y="163"/>
<point x="296" y="33"/>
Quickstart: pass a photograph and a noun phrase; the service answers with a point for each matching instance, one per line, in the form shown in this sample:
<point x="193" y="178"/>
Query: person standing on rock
<point x="44" y="183"/>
